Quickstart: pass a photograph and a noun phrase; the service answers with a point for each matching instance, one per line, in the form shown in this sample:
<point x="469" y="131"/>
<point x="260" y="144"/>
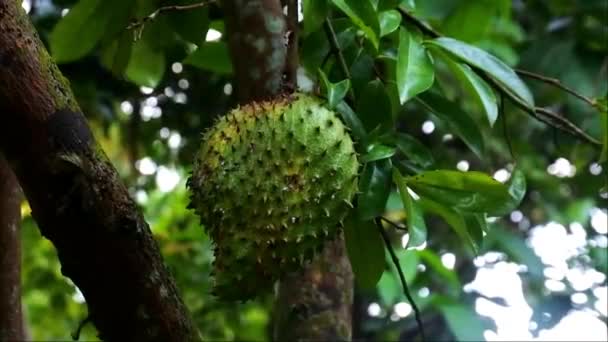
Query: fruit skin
<point x="271" y="182"/>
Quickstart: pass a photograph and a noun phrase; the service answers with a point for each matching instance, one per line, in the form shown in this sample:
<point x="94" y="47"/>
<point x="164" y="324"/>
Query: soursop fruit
<point x="271" y="182"/>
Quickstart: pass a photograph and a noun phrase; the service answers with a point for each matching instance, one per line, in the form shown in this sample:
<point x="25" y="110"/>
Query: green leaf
<point x="453" y="218"/>
<point x="457" y="120"/>
<point x="415" y="72"/>
<point x="315" y="12"/>
<point x="352" y="121"/>
<point x="76" y="34"/>
<point x="375" y="186"/>
<point x="374" y="106"/>
<point x="334" y="92"/>
<point x="190" y="25"/>
<point x="414" y="150"/>
<point x="603" y="108"/>
<point x="146" y="66"/>
<point x="517" y="249"/>
<point x="462" y="320"/>
<point x="365" y="250"/>
<point x="506" y="78"/>
<point x="362" y="14"/>
<point x="476" y="226"/>
<point x="389" y="22"/>
<point x="116" y="57"/>
<point x="211" y="56"/>
<point x="434" y="261"/>
<point x="470" y="191"/>
<point x="481" y="92"/>
<point x="415" y="218"/>
<point x="376" y="151"/>
<point x="517" y="190"/>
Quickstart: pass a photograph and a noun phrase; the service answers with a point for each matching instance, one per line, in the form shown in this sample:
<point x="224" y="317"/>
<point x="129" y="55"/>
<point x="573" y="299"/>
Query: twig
<point x="556" y="83"/>
<point x="170" y="8"/>
<point x="540" y="114"/>
<point x="76" y="334"/>
<point x="394" y="224"/>
<point x="425" y="28"/>
<point x="335" y="49"/>
<point x="505" y="129"/>
<point x="406" y="290"/>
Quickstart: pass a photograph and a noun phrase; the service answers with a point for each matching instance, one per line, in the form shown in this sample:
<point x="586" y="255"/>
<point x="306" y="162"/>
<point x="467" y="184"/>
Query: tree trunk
<point x="11" y="317"/>
<point x="103" y="243"/>
<point x="314" y="303"/>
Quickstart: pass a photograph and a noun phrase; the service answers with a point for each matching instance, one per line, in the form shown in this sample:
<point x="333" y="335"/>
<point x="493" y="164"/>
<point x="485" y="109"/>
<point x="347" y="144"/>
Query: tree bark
<point x="314" y="303"/>
<point x="11" y="317"/>
<point x="103" y="243"/>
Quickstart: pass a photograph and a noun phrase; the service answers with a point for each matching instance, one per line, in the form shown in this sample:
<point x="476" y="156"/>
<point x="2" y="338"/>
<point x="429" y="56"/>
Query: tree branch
<point x="291" y="72"/>
<point x="102" y="240"/>
<point x="556" y="83"/>
<point x="406" y="290"/>
<point x="138" y="24"/>
<point x="337" y="52"/>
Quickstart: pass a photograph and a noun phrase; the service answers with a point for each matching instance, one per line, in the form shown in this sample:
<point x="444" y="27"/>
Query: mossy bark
<point x="11" y="317"/>
<point x="103" y="243"/>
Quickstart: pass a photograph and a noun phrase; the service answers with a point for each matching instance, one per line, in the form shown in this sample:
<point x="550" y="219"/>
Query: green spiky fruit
<point x="271" y="182"/>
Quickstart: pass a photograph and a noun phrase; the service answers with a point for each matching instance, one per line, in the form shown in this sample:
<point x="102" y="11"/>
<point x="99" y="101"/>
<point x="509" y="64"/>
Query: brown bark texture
<point x="11" y="316"/>
<point x="314" y="303"/>
<point x="77" y="198"/>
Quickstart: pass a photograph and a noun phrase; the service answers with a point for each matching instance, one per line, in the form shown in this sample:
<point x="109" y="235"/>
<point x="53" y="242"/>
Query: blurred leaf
<point x="334" y="92"/>
<point x="362" y="14"/>
<point x="377" y="152"/>
<point x="502" y="73"/>
<point x="375" y="186"/>
<point x="480" y="12"/>
<point x="517" y="190"/>
<point x="476" y="226"/>
<point x="374" y="106"/>
<point x="76" y="34"/>
<point x="415" y="72"/>
<point x="414" y="150"/>
<point x="351" y="120"/>
<point x="474" y="85"/>
<point x="435" y="263"/>
<point x="389" y="22"/>
<point x="388" y="288"/>
<point x="116" y="57"/>
<point x="516" y="247"/>
<point x="470" y="191"/>
<point x="146" y="66"/>
<point x="315" y="12"/>
<point x="415" y="218"/>
<point x="463" y="321"/>
<point x="452" y="218"/>
<point x="603" y="106"/>
<point x="191" y="25"/>
<point x="211" y="56"/>
<point x="457" y="120"/>
<point x="365" y="250"/>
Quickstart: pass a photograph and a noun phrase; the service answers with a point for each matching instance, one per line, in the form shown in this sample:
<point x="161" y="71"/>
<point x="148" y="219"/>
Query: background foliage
<point x="474" y="262"/>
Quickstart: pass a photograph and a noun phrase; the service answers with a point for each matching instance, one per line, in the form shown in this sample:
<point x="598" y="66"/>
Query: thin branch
<point x="556" y="83"/>
<point x="424" y="27"/>
<point x="140" y="23"/>
<point x="406" y="290"/>
<point x="505" y="129"/>
<point x="392" y="223"/>
<point x="85" y="321"/>
<point x="335" y="49"/>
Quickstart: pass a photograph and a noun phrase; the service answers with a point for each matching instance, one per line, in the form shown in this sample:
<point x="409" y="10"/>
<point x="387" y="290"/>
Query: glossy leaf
<point x="315" y="12"/>
<point x="474" y="85"/>
<point x="414" y="150"/>
<point x="365" y="249"/>
<point x="413" y="213"/>
<point x="376" y="151"/>
<point x="362" y="14"/>
<point x="466" y="191"/>
<point x="374" y="106"/>
<point x="375" y="186"/>
<point x="415" y="72"/>
<point x="334" y="92"/>
<point x="453" y="218"/>
<point x="498" y="70"/>
<point x="457" y="120"/>
<point x="389" y="22"/>
<point x="517" y="189"/>
<point x="476" y="226"/>
<point x="211" y="56"/>
<point x="146" y="66"/>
